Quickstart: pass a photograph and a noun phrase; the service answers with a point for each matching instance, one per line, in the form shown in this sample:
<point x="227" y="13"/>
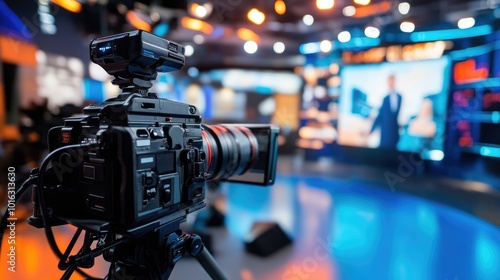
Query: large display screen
<point x="396" y="106"/>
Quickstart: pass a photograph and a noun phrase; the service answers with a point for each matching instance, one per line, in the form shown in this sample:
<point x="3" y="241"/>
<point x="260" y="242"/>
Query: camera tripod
<point x="150" y="256"/>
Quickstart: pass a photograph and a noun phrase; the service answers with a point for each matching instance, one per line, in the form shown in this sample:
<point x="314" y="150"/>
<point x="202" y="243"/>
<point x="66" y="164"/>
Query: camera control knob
<point x="150" y="193"/>
<point x="156" y="133"/>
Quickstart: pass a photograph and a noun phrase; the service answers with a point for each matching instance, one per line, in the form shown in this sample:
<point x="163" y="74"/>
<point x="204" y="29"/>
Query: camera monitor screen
<point x="395" y="106"/>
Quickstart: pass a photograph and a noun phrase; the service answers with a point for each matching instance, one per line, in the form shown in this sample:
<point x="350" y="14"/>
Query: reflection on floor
<point x="341" y="230"/>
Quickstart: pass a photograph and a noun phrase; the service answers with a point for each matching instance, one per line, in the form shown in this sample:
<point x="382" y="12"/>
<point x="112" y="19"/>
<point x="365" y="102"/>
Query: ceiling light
<point x="197" y="25"/>
<point x="344" y="36"/>
<point x="137" y="22"/>
<point x="250" y="47"/>
<point x="325" y="46"/>
<point x="193" y="72"/>
<point x="467" y="22"/>
<point x="436" y="155"/>
<point x="407" y="26"/>
<point x="280" y="7"/>
<point x="198" y="39"/>
<point x="70" y="5"/>
<point x="404" y="8"/>
<point x="372" y="32"/>
<point x="256" y="16"/>
<point x="279" y="47"/>
<point x="246" y="34"/>
<point x="309" y="48"/>
<point x="334" y="68"/>
<point x="155" y="16"/>
<point x="200" y="11"/>
<point x="349" y="11"/>
<point x="362" y="2"/>
<point x="308" y="20"/>
<point x="122" y="9"/>
<point x="324" y="4"/>
<point x="188" y="50"/>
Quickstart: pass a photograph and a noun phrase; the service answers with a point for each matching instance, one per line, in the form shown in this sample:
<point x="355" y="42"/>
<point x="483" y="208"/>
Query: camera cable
<point x="43" y="207"/>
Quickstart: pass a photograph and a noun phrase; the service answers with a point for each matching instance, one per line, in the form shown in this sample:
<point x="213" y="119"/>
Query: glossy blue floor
<point x="341" y="230"/>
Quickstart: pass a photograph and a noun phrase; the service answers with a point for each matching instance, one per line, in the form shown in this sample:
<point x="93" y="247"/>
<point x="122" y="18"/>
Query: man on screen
<point x="387" y="117"/>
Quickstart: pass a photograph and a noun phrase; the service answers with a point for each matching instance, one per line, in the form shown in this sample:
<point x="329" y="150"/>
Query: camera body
<point x="136" y="160"/>
<point x="145" y="160"/>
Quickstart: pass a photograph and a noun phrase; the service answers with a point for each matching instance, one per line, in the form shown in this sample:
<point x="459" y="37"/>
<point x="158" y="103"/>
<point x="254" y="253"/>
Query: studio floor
<point x="341" y="229"/>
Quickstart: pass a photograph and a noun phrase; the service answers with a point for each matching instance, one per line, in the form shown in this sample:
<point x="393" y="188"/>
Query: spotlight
<point x="349" y="11"/>
<point x="362" y="2"/>
<point x="70" y="5"/>
<point x="308" y="20"/>
<point x="193" y="72"/>
<point x="200" y="10"/>
<point x="137" y="22"/>
<point x="256" y="16"/>
<point x="344" y="36"/>
<point x="198" y="39"/>
<point x="372" y="32"/>
<point x="246" y="34"/>
<point x="155" y="16"/>
<point x="407" y="26"/>
<point x="197" y="25"/>
<point x="324" y="4"/>
<point x="467" y="22"/>
<point x="279" y="47"/>
<point x="309" y="48"/>
<point x="188" y="50"/>
<point x="280" y="7"/>
<point x="250" y="47"/>
<point x="404" y="8"/>
<point x="325" y="46"/>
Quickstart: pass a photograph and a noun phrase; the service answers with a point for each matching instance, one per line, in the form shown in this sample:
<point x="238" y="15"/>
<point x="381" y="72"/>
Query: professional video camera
<point x="131" y="168"/>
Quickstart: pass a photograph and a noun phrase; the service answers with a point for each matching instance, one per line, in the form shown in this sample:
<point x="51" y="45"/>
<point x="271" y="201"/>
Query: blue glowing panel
<point x="161" y="29"/>
<point x="11" y="25"/>
<point x="450" y="34"/>
<point x="208" y="92"/>
<point x="93" y="90"/>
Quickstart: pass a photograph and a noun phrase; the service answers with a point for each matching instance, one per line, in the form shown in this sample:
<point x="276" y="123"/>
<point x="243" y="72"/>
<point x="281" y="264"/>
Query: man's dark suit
<point x="387" y="120"/>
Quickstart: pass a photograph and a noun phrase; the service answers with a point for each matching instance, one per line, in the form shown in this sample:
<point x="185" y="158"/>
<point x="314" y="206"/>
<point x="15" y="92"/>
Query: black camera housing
<point x="144" y="161"/>
<point x="137" y="161"/>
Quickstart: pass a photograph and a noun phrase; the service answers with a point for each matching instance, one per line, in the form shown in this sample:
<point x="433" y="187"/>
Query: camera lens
<point x="230" y="150"/>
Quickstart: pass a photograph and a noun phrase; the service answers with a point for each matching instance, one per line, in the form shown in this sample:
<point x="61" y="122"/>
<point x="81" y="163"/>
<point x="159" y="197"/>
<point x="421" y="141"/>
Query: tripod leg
<point x="197" y="249"/>
<point x="211" y="267"/>
<point x="62" y="262"/>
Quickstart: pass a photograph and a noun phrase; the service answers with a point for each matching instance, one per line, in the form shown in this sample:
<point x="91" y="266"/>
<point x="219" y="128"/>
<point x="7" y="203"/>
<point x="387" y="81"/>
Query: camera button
<point x="150" y="193"/>
<point x="148" y="178"/>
